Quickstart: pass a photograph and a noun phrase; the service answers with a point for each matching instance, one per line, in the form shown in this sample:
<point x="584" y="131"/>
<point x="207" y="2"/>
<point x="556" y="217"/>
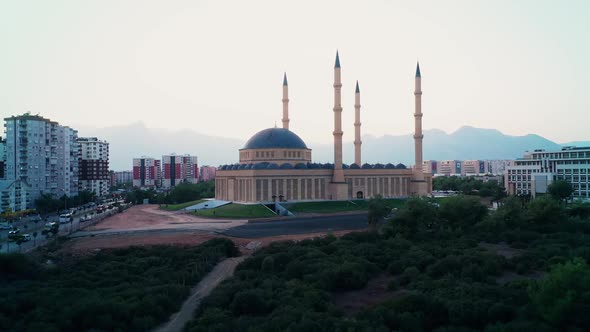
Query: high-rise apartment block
<point x="2" y="158"/>
<point x="179" y="169"/>
<point x="207" y="173"/>
<point x="94" y="165"/>
<point x="449" y="167"/>
<point x="147" y="172"/>
<point x="122" y="177"/>
<point x="41" y="158"/>
<point x="532" y="174"/>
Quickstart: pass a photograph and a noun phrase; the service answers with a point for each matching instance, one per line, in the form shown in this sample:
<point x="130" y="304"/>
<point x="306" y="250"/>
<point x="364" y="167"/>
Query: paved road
<point x="29" y="227"/>
<point x="220" y="272"/>
<point x="296" y="225"/>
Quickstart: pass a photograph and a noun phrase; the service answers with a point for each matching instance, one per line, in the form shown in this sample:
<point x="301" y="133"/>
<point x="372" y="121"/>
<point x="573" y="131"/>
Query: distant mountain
<point x="464" y="144"/>
<point x="135" y="140"/>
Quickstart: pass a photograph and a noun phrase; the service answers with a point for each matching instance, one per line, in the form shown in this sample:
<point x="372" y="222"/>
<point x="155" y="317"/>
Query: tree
<point x="561" y="190"/>
<point x="377" y="211"/>
<point x="545" y="210"/>
<point x="462" y="211"/>
<point x="418" y="214"/>
<point x="562" y="295"/>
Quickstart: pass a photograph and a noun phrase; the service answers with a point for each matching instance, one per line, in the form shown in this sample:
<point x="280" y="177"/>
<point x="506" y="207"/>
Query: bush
<point x="462" y="211"/>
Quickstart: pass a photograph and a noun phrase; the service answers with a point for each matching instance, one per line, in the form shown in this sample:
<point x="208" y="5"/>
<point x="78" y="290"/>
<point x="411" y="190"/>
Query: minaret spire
<point x="285" y="103"/>
<point x="338" y="176"/>
<point x="419" y="182"/>
<point x="357" y="125"/>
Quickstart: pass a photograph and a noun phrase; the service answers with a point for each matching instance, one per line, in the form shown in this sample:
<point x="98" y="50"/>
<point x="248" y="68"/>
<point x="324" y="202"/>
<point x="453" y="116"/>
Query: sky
<point x="216" y="67"/>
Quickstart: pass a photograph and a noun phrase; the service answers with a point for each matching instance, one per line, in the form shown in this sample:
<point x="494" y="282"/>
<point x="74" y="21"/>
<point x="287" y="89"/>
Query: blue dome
<point x="275" y="138"/>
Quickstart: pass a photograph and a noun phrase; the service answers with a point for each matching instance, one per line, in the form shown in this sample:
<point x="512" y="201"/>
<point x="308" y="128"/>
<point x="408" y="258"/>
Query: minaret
<point x="418" y="119"/>
<point x="285" y="103"/>
<point x="357" y="125"/>
<point x="338" y="176"/>
<point x="419" y="182"/>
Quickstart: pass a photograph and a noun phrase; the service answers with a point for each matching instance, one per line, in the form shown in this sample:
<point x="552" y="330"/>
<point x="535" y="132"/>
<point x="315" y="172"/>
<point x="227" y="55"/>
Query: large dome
<point x="275" y="138"/>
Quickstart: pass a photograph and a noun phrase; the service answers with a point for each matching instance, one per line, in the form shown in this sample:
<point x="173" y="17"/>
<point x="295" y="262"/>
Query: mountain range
<point x="136" y="140"/>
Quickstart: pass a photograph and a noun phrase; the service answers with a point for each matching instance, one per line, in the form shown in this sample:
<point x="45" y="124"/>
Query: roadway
<point x="299" y="225"/>
<point x="28" y="225"/>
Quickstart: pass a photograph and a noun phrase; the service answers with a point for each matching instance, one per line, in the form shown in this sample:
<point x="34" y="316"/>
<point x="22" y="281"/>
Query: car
<point x="14" y="231"/>
<point x="50" y="224"/>
<point x="5" y="226"/>
<point x="26" y="237"/>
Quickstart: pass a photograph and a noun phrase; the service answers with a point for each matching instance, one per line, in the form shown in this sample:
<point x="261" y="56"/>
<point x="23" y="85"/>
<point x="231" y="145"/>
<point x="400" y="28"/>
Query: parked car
<point x="27" y="237"/>
<point x="49" y="224"/>
<point x="14" y="231"/>
<point x="5" y="226"/>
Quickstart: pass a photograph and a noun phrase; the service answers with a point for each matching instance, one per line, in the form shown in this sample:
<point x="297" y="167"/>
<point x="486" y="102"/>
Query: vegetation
<point x="233" y="210"/>
<point x="451" y="265"/>
<point x="182" y="193"/>
<point x="176" y="207"/>
<point x="48" y="203"/>
<point x="132" y="289"/>
<point x="469" y="186"/>
<point x="560" y="190"/>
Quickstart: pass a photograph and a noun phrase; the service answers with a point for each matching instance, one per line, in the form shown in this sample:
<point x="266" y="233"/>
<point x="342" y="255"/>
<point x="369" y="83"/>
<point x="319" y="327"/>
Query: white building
<point x="41" y="158"/>
<point x="533" y="173"/>
<point x="94" y="165"/>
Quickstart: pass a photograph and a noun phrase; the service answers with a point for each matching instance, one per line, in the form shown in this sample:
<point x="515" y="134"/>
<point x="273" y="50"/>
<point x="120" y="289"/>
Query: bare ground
<point x="352" y="302"/>
<point x="502" y="249"/>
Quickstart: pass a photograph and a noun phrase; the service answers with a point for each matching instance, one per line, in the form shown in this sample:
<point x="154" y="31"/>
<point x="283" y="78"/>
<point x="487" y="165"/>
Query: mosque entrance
<point x="359" y="195"/>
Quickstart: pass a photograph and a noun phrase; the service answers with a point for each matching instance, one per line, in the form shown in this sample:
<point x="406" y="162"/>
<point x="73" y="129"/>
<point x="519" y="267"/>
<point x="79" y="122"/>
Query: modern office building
<point x="147" y="172"/>
<point x="178" y="169"/>
<point x="94" y="165"/>
<point x="207" y="173"/>
<point x="532" y="174"/>
<point x="41" y="158"/>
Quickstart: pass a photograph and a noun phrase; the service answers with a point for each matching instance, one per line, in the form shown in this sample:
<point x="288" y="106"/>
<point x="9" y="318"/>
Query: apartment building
<point x="41" y="158"/>
<point x="474" y="167"/>
<point x="449" y="167"/>
<point x="430" y="166"/>
<point x="179" y="169"/>
<point x="94" y="165"/>
<point x="207" y="173"/>
<point x="532" y="174"/>
<point x="2" y="158"/>
<point x="122" y="177"/>
<point x="147" y="172"/>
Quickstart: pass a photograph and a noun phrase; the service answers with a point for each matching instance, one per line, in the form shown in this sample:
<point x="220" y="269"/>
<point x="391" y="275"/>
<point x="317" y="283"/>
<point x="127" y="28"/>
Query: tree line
<point x="131" y="289"/>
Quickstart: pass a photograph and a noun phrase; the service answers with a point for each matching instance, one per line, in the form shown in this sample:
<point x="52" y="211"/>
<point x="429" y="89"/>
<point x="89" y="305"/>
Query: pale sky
<point x="216" y="67"/>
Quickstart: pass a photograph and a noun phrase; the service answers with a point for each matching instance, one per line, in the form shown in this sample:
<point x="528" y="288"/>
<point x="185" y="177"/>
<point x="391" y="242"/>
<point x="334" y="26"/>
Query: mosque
<point x="276" y="164"/>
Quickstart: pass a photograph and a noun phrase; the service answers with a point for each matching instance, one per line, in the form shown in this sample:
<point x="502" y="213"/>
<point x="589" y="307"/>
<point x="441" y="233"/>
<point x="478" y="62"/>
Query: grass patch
<point x="236" y="211"/>
<point x="176" y="207"/>
<point x="338" y="206"/>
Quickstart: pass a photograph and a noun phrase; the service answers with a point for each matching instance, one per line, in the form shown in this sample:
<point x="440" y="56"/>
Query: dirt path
<point x="222" y="271"/>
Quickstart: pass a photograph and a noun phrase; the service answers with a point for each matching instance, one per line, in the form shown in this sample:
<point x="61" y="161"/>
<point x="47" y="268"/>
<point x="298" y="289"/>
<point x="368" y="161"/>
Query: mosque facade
<point x="276" y="165"/>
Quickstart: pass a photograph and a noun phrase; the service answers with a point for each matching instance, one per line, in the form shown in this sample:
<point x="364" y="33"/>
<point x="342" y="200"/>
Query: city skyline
<point x="193" y="65"/>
